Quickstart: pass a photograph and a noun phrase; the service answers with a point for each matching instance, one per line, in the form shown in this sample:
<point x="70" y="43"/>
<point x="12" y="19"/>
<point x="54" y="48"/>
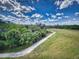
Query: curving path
<point x="27" y="50"/>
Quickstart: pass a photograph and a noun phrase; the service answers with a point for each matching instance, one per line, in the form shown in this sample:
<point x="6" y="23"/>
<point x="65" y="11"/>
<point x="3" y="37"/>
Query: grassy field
<point x="63" y="45"/>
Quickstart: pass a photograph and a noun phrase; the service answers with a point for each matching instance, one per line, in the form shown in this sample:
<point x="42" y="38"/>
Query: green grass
<point x="63" y="45"/>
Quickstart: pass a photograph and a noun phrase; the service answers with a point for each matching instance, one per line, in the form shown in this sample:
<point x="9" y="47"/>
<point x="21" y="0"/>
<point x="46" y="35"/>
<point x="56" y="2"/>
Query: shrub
<point x="18" y="35"/>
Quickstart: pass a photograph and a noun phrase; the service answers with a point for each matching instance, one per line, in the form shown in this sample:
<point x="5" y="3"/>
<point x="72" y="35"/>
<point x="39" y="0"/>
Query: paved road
<point x="27" y="50"/>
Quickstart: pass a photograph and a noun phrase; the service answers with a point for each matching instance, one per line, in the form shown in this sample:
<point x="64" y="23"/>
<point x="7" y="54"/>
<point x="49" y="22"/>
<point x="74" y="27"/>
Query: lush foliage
<point x="12" y="35"/>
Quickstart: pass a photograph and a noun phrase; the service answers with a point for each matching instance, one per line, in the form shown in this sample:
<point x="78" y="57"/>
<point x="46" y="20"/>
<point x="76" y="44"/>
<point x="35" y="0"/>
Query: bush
<point x="2" y="45"/>
<point x="18" y="35"/>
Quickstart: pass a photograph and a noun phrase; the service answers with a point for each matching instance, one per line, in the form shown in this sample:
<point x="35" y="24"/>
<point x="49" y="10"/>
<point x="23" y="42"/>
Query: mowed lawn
<point x="63" y="45"/>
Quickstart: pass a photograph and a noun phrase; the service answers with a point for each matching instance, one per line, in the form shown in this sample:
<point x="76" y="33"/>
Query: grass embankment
<point x="63" y="45"/>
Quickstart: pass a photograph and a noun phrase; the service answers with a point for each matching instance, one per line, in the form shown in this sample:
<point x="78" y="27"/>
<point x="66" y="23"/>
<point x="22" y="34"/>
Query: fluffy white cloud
<point x="74" y="19"/>
<point x="59" y="14"/>
<point x="53" y="16"/>
<point x="66" y="16"/>
<point x="7" y="18"/>
<point x="65" y="3"/>
<point x="59" y="18"/>
<point x="25" y="20"/>
<point x="15" y="7"/>
<point x="77" y="14"/>
<point x="14" y="19"/>
<point x="52" y="20"/>
<point x="58" y="2"/>
<point x="36" y="15"/>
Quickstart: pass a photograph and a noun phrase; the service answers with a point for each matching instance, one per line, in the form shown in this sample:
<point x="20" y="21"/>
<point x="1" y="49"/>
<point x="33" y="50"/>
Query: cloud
<point x="66" y="16"/>
<point x="15" y="7"/>
<point x="59" y="18"/>
<point x="70" y="22"/>
<point x="52" y="20"/>
<point x="74" y="19"/>
<point x="36" y="15"/>
<point x="53" y="16"/>
<point x="76" y="13"/>
<point x="47" y="14"/>
<point x="7" y="18"/>
<point x="58" y="2"/>
<point x="37" y="0"/>
<point x="14" y="19"/>
<point x="59" y="14"/>
<point x="25" y="20"/>
<point x="65" y="3"/>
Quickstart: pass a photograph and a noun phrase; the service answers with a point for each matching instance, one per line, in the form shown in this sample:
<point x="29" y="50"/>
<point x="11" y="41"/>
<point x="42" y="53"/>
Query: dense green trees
<point x="12" y="36"/>
<point x="74" y="27"/>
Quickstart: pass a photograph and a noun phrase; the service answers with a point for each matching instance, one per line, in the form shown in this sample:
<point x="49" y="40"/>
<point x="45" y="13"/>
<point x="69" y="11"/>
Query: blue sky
<point x="44" y="11"/>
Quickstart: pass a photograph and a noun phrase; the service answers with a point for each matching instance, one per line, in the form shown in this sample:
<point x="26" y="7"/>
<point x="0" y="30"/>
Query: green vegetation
<point x="13" y="36"/>
<point x="75" y="27"/>
<point x="63" y="45"/>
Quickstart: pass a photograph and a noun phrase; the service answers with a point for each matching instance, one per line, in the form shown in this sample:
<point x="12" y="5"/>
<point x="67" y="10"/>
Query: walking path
<point x="27" y="50"/>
